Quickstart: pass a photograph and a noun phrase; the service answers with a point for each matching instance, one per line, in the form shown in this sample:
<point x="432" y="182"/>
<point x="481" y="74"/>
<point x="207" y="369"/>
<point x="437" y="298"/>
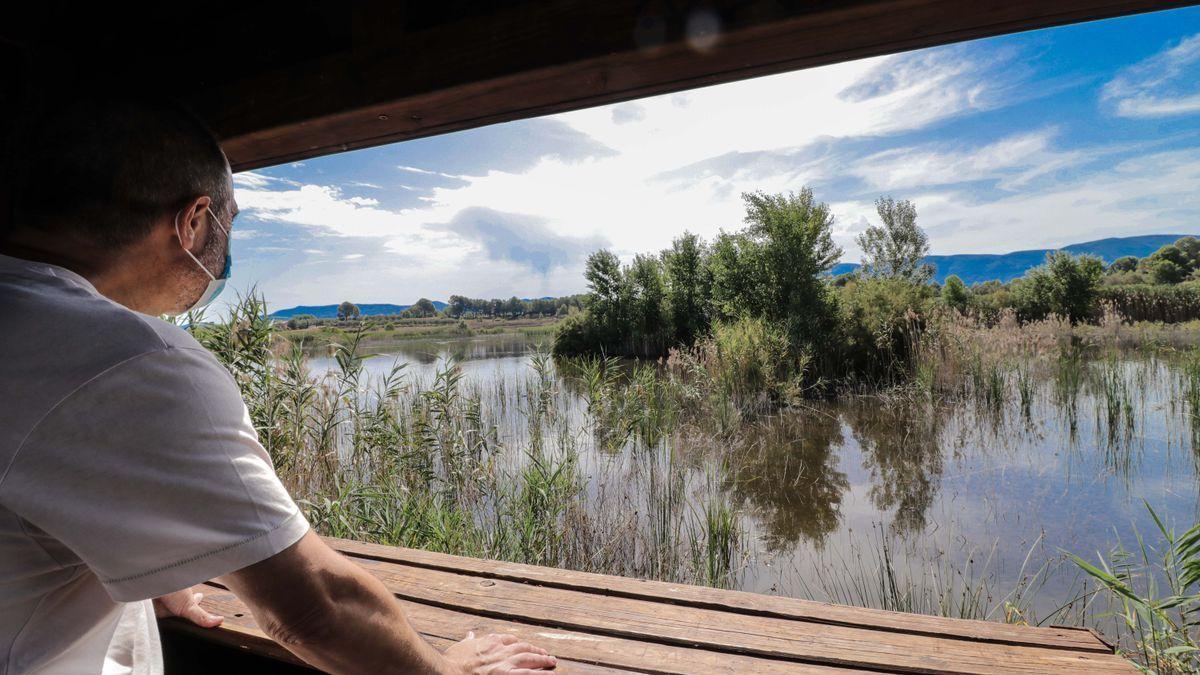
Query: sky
<point x="1033" y="140"/>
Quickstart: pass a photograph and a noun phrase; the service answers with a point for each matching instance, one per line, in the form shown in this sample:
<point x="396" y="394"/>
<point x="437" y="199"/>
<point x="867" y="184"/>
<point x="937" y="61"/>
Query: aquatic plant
<point x="1156" y="596"/>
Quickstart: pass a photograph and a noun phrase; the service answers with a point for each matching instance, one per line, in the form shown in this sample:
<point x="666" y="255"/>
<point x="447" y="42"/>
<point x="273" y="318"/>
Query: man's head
<point x="128" y="188"/>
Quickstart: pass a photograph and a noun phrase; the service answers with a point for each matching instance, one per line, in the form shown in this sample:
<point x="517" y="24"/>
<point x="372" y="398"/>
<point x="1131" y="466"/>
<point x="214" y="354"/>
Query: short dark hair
<point x="107" y="168"/>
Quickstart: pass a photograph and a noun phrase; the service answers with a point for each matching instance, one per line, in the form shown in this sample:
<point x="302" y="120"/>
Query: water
<point x="958" y="492"/>
<point x="481" y="358"/>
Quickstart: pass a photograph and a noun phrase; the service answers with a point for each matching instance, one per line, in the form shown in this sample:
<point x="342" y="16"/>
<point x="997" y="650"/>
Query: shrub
<point x="1146" y="302"/>
<point x="1166" y="271"/>
<point x="1066" y="285"/>
<point x="301" y="321"/>
<point x="881" y="321"/>
<point x="577" y="335"/>
<point x="955" y="294"/>
<point x="1126" y="263"/>
<point x="749" y="359"/>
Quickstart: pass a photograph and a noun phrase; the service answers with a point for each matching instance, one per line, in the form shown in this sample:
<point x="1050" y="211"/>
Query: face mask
<point x="215" y="284"/>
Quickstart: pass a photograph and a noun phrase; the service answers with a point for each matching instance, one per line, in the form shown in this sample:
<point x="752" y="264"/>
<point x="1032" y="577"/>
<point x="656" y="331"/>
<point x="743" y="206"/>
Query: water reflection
<point x="786" y="473"/>
<point x="1059" y="454"/>
<point x="901" y="447"/>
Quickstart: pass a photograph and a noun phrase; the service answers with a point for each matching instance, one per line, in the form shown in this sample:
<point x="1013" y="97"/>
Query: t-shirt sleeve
<point x="153" y="475"/>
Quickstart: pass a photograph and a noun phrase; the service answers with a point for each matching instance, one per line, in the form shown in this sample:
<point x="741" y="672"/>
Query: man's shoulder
<point x="59" y="335"/>
<point x="93" y="322"/>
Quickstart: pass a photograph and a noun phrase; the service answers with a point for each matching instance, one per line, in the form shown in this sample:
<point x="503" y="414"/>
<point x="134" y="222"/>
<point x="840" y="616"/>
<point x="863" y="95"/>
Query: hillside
<point x="974" y="268"/>
<point x="330" y="311"/>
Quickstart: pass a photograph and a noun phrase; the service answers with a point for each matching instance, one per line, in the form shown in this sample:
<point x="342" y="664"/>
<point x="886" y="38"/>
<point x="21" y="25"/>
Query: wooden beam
<point x="530" y="60"/>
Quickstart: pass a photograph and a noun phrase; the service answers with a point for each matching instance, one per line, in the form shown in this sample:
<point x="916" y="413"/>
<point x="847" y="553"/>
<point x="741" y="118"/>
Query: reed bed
<point x="642" y="469"/>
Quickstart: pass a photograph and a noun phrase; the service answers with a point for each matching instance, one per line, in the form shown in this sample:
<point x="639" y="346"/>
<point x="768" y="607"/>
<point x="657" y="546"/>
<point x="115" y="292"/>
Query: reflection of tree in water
<point x="901" y="449"/>
<point x="786" y="472"/>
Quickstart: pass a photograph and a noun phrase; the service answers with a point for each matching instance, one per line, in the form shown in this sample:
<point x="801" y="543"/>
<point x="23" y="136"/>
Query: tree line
<point x="512" y="308"/>
<point x="768" y="285"/>
<point x="459" y="307"/>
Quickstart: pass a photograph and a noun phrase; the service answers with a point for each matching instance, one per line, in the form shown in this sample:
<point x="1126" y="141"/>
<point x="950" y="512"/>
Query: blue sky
<point x="1033" y="140"/>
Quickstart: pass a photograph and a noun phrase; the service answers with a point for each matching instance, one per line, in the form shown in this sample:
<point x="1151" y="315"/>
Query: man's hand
<point x="337" y="616"/>
<point x="186" y="605"/>
<point x="499" y="655"/>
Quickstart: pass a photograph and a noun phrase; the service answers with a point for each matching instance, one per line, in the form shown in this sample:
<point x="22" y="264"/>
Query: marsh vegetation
<point x="871" y="440"/>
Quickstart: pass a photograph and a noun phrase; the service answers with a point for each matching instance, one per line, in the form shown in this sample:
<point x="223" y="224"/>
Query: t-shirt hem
<point x="205" y="566"/>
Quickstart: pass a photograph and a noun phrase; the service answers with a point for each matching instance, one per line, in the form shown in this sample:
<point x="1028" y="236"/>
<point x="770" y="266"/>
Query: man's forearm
<point x="332" y="613"/>
<point x="363" y="630"/>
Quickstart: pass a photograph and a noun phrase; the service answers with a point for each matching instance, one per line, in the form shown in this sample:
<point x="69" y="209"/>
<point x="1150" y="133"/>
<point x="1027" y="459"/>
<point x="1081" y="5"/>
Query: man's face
<point x="213" y="254"/>
<point x="192" y="282"/>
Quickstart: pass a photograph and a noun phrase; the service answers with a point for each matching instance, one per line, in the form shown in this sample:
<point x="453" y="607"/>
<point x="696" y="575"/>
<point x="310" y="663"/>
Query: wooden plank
<point x="1061" y="637"/>
<point x="518" y="63"/>
<point x="721" y="631"/>
<point x="577" y="652"/>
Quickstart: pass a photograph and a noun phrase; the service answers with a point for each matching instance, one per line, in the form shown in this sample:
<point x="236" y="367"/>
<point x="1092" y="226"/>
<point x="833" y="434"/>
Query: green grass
<point x="368" y="331"/>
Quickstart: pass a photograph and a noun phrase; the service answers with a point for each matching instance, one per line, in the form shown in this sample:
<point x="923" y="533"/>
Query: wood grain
<point x="732" y="601"/>
<point x="577" y="652"/>
<point x="519" y="62"/>
<point x="721" y="631"/>
<point x="598" y="624"/>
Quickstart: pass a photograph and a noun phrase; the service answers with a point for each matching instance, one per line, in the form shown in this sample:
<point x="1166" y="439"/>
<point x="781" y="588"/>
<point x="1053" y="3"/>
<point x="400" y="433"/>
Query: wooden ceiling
<point x="283" y="81"/>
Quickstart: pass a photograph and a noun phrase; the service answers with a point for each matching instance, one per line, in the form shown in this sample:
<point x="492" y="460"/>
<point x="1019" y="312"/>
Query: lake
<point x="956" y="499"/>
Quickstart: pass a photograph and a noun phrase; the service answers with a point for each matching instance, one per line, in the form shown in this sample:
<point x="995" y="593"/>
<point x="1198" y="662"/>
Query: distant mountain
<point x="974" y="268"/>
<point x="330" y="311"/>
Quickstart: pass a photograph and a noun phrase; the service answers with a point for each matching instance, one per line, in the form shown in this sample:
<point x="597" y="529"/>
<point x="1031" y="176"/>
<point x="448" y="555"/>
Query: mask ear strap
<point x="189" y="253"/>
<point x="217" y="220"/>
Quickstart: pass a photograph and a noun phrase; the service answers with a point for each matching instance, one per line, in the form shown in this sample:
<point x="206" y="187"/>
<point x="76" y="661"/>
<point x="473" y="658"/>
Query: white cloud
<point x="1165" y="84"/>
<point x="427" y="172"/>
<point x="1013" y="161"/>
<point x="324" y="207"/>
<point x="621" y="197"/>
<point x="251" y="179"/>
<point x="1154" y="193"/>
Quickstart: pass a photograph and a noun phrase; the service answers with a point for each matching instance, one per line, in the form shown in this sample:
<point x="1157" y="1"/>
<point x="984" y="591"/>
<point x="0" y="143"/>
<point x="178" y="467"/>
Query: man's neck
<point x="103" y="269"/>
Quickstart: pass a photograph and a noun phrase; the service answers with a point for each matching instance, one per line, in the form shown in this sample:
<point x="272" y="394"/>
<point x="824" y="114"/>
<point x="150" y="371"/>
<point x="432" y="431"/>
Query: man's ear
<point x="190" y="221"/>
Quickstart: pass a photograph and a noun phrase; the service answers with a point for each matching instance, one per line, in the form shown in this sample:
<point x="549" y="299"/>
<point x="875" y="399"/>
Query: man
<point x="129" y="469"/>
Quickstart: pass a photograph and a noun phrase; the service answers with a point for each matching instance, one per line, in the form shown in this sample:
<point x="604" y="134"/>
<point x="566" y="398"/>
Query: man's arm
<point x="336" y="616"/>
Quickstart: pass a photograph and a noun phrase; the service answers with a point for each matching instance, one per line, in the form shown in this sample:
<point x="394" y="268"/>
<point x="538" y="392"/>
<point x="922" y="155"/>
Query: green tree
<point x="955" y="293"/>
<point x="1165" y="271"/>
<point x="348" y="310"/>
<point x="775" y="268"/>
<point x="1190" y="247"/>
<point x="1170" y="253"/>
<point x="301" y="321"/>
<point x="606" y="302"/>
<point x="688" y="288"/>
<point x="1066" y="285"/>
<point x="1123" y="264"/>
<point x="648" y="328"/>
<point x="457" y="306"/>
<point x="514" y="307"/>
<point x="424" y="308"/>
<point x="897" y="248"/>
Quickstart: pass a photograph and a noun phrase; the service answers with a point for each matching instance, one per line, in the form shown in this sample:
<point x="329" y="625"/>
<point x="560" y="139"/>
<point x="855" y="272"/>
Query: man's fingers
<point x="198" y="615"/>
<point x="505" y="638"/>
<point x="533" y="661"/>
<point x="525" y="647"/>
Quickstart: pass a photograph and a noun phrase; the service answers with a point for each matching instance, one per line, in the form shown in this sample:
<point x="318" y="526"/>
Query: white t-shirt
<point x="129" y="468"/>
